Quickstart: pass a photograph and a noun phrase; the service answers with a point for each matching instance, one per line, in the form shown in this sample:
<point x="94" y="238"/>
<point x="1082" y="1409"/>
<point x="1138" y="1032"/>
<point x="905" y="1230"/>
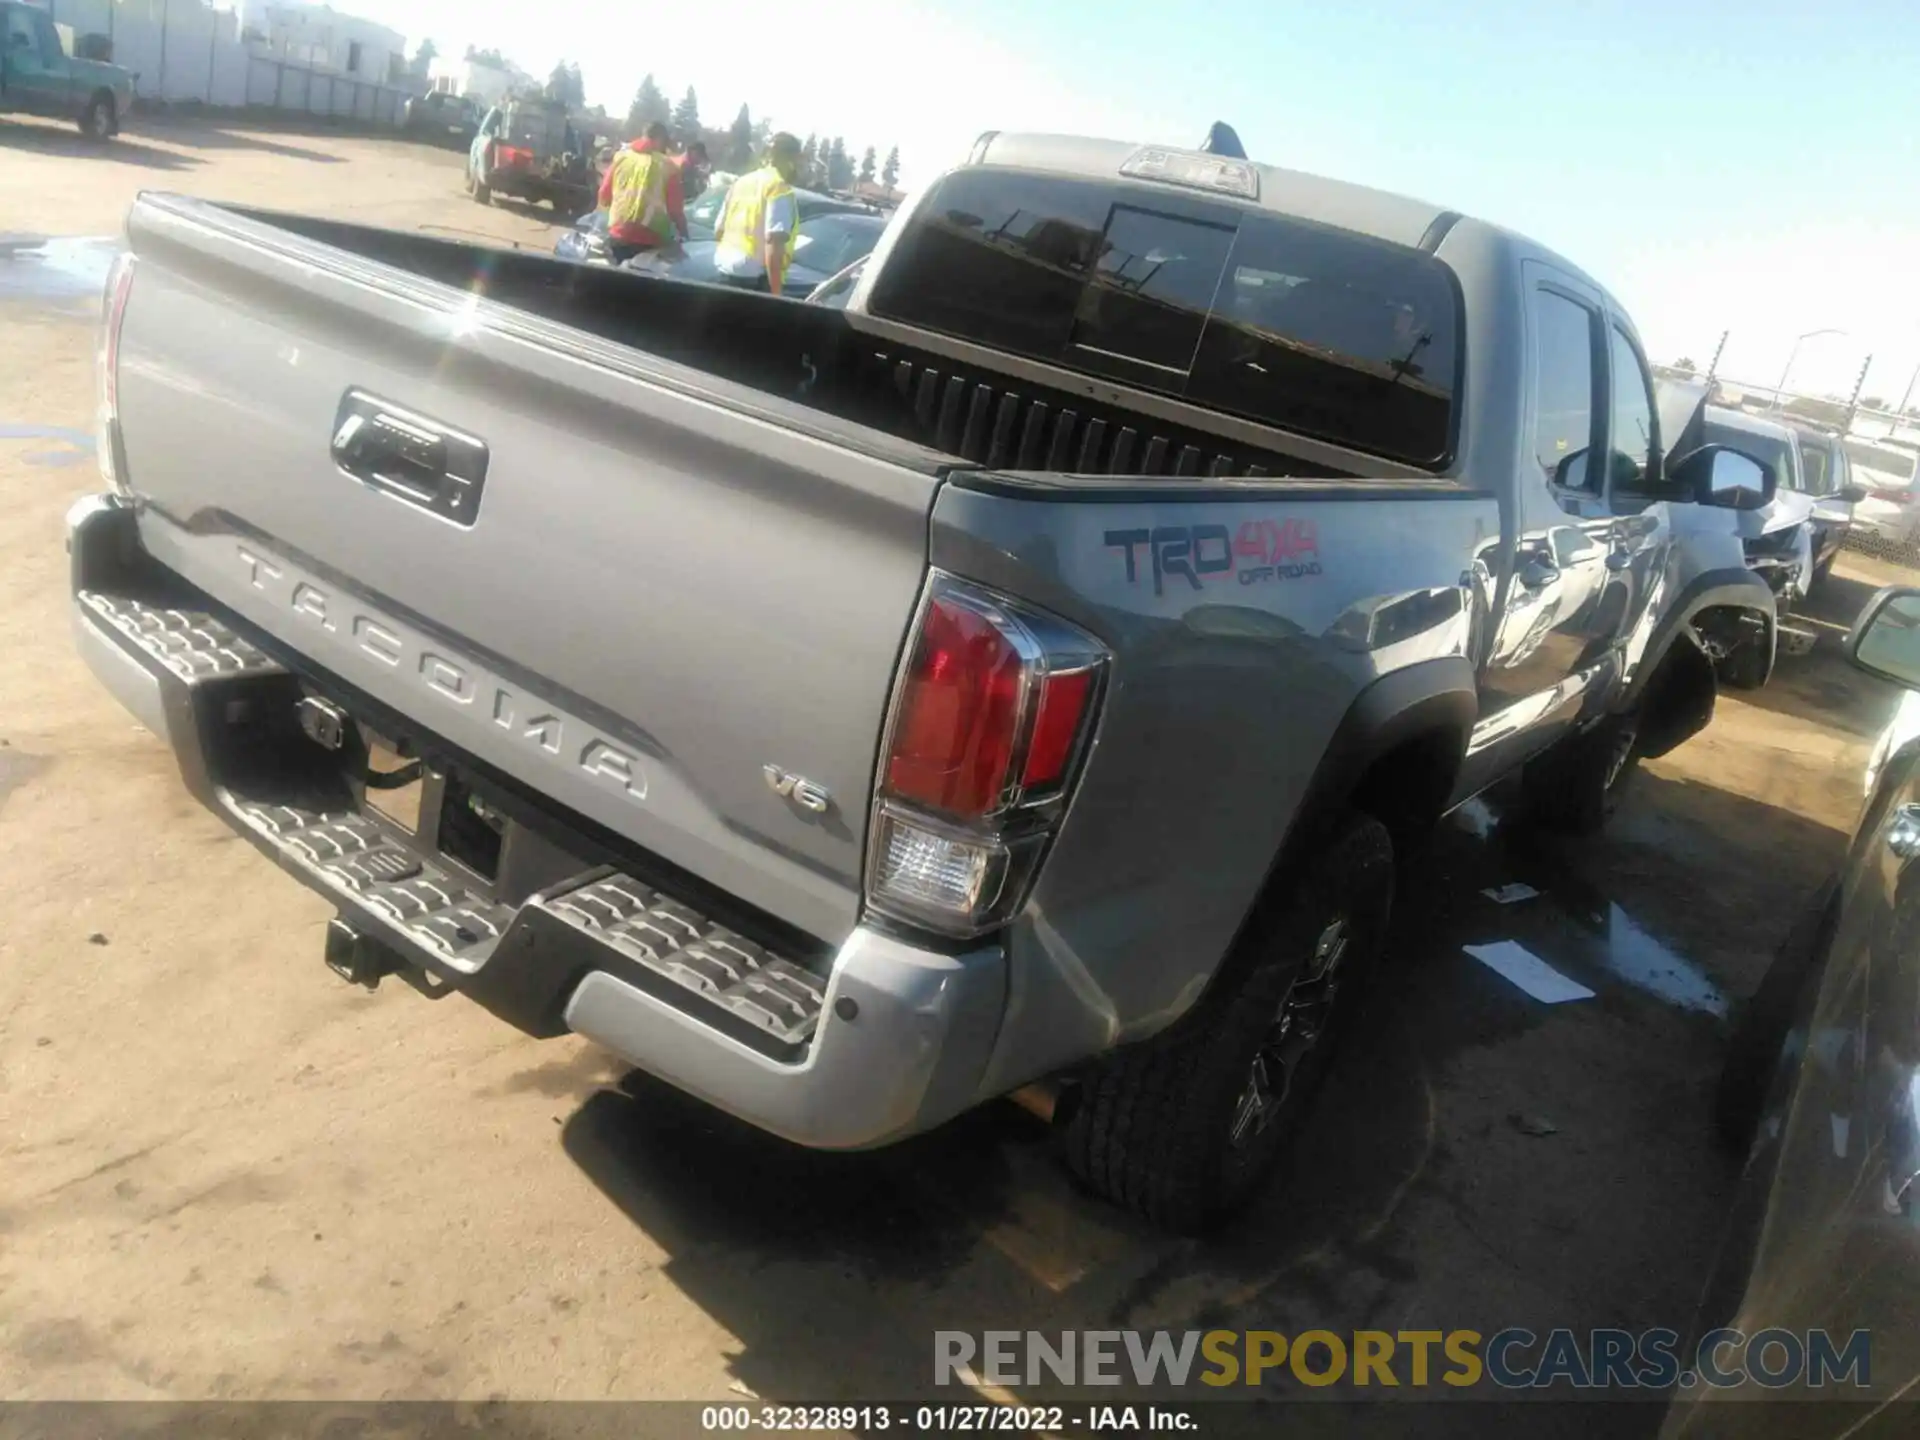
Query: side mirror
<point x="1727" y="479"/>
<point x="1571" y="472"/>
<point x="1852" y="494"/>
<point x="1885" y="640"/>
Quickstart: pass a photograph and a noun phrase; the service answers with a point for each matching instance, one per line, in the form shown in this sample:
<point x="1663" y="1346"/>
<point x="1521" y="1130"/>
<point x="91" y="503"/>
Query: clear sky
<point x="1749" y="167"/>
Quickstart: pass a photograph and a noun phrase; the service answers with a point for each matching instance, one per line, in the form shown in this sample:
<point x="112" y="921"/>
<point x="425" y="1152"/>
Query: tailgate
<point x="650" y="596"/>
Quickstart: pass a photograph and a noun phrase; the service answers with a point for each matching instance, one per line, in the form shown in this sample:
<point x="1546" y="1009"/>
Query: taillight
<point x="113" y="314"/>
<point x="991" y="717"/>
<point x="1892" y="497"/>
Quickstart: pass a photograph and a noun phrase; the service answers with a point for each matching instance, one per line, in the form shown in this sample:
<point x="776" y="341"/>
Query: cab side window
<point x="47" y="39"/>
<point x="1563" y="374"/>
<point x="1631" y="413"/>
<point x="20" y="32"/>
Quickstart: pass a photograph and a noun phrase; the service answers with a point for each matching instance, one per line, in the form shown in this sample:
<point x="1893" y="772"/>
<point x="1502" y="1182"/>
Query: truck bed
<point x="815" y="356"/>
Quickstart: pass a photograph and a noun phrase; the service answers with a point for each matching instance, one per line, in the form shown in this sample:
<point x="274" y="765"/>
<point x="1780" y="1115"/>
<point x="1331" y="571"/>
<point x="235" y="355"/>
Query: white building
<point x="488" y="84"/>
<point x="323" y="38"/>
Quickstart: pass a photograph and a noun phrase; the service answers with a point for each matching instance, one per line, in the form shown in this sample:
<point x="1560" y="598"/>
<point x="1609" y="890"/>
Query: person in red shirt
<point x="629" y="238"/>
<point x="694" y="169"/>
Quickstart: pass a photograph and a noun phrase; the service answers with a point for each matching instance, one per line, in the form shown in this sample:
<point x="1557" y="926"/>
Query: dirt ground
<point x="225" y="1174"/>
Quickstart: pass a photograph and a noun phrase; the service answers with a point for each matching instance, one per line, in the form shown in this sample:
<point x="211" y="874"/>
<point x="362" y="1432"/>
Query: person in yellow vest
<point x="760" y="221"/>
<point x="642" y="197"/>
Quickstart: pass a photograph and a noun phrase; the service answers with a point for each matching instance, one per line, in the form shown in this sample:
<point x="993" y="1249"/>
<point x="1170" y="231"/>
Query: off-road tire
<point x="1577" y="785"/>
<point x="1760" y="1031"/>
<point x="98" y="121"/>
<point x="1151" y="1127"/>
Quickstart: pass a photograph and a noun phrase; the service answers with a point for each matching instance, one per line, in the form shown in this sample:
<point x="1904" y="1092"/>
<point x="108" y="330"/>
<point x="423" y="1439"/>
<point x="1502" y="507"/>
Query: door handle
<point x="410" y="457"/>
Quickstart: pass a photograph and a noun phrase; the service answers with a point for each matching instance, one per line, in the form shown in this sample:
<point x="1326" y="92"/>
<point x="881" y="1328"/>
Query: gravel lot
<point x="225" y="1174"/>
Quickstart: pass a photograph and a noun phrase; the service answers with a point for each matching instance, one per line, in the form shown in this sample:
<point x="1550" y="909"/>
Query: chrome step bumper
<point x="877" y="1041"/>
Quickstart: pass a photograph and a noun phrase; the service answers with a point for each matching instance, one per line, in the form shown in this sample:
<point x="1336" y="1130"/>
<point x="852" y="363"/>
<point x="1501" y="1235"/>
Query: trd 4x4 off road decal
<point x="1257" y="552"/>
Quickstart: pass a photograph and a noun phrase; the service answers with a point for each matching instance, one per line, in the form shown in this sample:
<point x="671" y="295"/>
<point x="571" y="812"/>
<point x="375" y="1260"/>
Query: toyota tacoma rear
<point x="1022" y="674"/>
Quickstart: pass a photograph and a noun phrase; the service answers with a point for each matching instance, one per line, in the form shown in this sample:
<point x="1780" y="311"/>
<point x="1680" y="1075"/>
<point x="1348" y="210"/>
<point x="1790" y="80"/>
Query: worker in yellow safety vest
<point x="641" y="194"/>
<point x="760" y="221"/>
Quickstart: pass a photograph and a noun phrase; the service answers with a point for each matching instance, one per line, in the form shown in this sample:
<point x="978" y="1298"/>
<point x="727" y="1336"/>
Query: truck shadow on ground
<point x="1410" y="1191"/>
<point x="68" y="142"/>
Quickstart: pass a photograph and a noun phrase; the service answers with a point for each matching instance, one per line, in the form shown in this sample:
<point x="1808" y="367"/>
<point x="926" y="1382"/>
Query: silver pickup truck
<point x="1022" y="677"/>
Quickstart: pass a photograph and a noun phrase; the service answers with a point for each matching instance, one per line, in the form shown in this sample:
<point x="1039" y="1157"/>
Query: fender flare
<point x="1738" y="588"/>
<point x="1431" y="698"/>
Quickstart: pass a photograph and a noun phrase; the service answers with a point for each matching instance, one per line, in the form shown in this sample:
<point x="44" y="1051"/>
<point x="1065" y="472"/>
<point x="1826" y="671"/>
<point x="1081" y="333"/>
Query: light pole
<point x="1902" y="410"/>
<point x="1791" y="354"/>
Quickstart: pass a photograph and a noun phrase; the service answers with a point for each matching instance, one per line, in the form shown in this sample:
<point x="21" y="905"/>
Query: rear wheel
<point x="1577" y="785"/>
<point x="1182" y="1129"/>
<point x="482" y="192"/>
<point x="98" y="121"/>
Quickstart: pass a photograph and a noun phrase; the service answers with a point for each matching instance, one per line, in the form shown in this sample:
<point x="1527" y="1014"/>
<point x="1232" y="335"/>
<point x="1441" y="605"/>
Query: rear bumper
<point x="878" y="1041"/>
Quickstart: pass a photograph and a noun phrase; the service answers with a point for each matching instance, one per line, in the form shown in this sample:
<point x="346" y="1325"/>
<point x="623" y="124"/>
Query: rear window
<point x="535" y="127"/>
<point x="1288" y="323"/>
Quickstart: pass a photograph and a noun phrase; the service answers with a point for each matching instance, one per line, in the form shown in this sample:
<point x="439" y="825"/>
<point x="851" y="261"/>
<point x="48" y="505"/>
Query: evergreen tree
<point x="866" y="166"/>
<point x="566" y="86"/>
<point x="839" y="167"/>
<point x="810" y="162"/>
<point x="890" y="171"/>
<point x="740" y="152"/>
<point x="650" y="103"/>
<point x="686" y="117"/>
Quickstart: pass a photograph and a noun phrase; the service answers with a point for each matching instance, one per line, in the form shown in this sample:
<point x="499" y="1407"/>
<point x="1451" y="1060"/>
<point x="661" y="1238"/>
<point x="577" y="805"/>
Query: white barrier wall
<point x="187" y="50"/>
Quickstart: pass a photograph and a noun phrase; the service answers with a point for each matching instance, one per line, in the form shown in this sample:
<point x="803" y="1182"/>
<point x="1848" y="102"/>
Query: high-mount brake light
<point x="992" y="715"/>
<point x="1195" y="170"/>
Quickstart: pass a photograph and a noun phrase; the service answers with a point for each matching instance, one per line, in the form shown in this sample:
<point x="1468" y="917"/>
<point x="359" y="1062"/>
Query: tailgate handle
<point x="410" y="457"/>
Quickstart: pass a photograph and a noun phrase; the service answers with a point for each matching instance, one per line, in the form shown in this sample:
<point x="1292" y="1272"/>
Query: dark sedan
<point x="1822" y="1090"/>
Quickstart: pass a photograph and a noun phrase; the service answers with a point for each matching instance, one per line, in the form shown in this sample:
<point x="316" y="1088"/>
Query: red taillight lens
<point x="1892" y="497"/>
<point x="992" y="713"/>
<point x="959" y="713"/>
<point x="1063" y="705"/>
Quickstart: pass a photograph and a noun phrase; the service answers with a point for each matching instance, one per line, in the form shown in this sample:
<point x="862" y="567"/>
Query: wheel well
<point x="1407" y="788"/>
<point x="1678" y="701"/>
<point x="103" y="94"/>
